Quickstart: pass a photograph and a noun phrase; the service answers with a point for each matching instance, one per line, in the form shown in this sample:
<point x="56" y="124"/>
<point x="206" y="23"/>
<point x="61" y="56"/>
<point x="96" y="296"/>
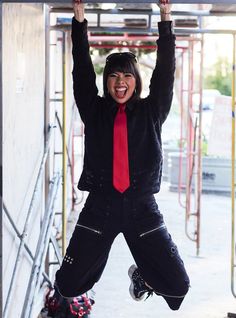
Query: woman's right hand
<point x="165" y="10"/>
<point x="78" y="7"/>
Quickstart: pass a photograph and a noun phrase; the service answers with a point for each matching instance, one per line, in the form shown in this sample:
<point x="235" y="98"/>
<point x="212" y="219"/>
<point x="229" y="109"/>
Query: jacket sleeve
<point x="162" y="81"/>
<point x="84" y="78"/>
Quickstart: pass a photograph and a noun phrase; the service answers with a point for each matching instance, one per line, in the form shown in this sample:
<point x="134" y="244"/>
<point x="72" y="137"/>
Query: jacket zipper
<point x="153" y="230"/>
<point x="89" y="228"/>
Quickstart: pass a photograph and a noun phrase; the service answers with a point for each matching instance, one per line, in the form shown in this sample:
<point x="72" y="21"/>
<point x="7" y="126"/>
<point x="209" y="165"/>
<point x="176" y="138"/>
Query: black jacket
<point x="144" y="118"/>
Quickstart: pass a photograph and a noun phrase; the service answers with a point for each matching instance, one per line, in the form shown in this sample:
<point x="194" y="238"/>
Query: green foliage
<point x="98" y="69"/>
<point x="106" y="51"/>
<point x="204" y="146"/>
<point x="219" y="77"/>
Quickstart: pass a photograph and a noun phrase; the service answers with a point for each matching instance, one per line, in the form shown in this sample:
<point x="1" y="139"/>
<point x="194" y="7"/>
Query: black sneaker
<point x="138" y="288"/>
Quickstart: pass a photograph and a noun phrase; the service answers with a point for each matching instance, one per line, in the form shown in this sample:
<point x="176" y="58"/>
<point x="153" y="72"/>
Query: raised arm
<point x="84" y="78"/>
<point x="162" y="81"/>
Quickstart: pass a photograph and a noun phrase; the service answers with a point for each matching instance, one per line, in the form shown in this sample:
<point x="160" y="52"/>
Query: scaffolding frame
<point x="179" y="31"/>
<point x="193" y="140"/>
<point x="132" y="1"/>
<point x="148" y="14"/>
<point x="40" y="244"/>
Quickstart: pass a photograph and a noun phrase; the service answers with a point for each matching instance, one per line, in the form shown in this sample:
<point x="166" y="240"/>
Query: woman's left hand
<point x="78" y="7"/>
<point x="165" y="6"/>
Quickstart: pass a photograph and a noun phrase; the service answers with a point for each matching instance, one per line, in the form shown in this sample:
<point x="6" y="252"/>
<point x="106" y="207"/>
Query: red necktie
<point x="120" y="151"/>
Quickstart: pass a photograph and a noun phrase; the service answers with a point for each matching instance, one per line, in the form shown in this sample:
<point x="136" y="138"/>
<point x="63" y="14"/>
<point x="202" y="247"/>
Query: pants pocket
<point x="94" y="216"/>
<point x="153" y="229"/>
<point x="147" y="218"/>
<point x="91" y="225"/>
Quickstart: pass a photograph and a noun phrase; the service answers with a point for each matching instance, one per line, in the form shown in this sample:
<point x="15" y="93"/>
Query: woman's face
<point x="121" y="86"/>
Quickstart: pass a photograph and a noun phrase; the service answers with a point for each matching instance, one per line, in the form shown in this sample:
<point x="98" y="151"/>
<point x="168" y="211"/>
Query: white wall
<point x="23" y="134"/>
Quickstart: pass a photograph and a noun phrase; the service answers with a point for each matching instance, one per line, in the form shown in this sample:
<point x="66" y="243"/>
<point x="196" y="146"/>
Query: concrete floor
<point x="210" y="295"/>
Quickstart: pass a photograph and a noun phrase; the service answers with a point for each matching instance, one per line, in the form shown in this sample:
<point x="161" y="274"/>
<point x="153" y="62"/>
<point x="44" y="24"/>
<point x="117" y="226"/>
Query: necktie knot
<point x="121" y="108"/>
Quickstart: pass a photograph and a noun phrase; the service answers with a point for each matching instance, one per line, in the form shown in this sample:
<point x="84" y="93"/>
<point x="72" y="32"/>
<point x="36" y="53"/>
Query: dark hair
<point x="125" y="62"/>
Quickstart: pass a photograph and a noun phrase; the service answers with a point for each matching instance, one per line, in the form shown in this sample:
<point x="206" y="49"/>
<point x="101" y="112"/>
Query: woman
<point x="122" y="170"/>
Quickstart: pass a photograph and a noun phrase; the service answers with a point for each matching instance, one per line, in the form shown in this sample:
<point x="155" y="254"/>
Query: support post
<point x="233" y="265"/>
<point x="1" y="130"/>
<point x="64" y="159"/>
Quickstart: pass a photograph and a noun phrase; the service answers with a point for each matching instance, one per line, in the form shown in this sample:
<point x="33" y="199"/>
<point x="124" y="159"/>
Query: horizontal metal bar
<point x="20" y="237"/>
<point x="172" y="1"/>
<point x="177" y="31"/>
<point x="197" y="13"/>
<point x="56" y="100"/>
<point x="131" y="1"/>
<point x="16" y="230"/>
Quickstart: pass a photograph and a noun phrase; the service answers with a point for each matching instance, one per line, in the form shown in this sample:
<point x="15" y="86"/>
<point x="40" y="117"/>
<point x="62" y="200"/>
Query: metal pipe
<point x="70" y="161"/>
<point x="25" y="229"/>
<point x="75" y="199"/>
<point x="73" y="167"/>
<point x="130" y="1"/>
<point x="16" y="230"/>
<point x="189" y="156"/>
<point x="199" y="152"/>
<point x="233" y="265"/>
<point x="191" y="13"/>
<point x="64" y="150"/>
<point x="82" y="152"/>
<point x="1" y="152"/>
<point x="46" y="92"/>
<point x="127" y="45"/>
<point x="180" y="31"/>
<point x="98" y="20"/>
<point x="181" y="131"/>
<point x="19" y="236"/>
<point x="41" y="248"/>
<point x="56" y="250"/>
<point x="194" y="164"/>
<point x="127" y="37"/>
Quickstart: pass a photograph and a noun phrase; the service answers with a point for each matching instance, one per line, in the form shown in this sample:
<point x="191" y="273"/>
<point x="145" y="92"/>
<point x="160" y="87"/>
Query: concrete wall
<point x="25" y="118"/>
<point x="23" y="135"/>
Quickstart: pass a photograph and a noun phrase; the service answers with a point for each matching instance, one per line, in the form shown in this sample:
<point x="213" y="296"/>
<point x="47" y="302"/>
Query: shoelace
<point x="137" y="276"/>
<point x="149" y="293"/>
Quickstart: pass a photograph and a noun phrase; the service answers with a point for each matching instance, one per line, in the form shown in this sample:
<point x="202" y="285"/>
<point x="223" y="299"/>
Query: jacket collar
<point x="113" y="104"/>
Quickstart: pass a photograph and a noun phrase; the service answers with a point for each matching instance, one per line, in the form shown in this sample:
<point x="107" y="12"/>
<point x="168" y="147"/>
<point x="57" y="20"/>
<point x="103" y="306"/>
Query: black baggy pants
<point x="101" y="220"/>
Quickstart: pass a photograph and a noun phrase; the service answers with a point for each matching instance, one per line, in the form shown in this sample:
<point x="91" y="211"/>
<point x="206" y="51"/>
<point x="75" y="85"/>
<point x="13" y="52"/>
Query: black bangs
<point x="121" y="64"/>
